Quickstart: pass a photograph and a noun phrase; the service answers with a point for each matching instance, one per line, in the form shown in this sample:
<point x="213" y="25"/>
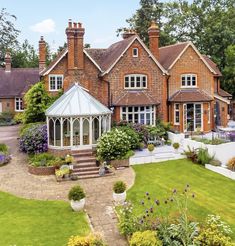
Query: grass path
<point x="38" y="223"/>
<point x="215" y="194"/>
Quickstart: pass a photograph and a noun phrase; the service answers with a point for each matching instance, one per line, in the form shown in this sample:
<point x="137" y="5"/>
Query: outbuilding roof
<point x="77" y="102"/>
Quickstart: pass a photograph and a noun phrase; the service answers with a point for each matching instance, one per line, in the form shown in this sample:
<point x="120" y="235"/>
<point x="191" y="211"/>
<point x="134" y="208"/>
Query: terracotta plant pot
<point x="119" y="197"/>
<point x="77" y="205"/>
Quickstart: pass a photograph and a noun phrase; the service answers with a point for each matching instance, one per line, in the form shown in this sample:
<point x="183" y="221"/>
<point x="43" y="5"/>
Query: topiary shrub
<point x="150" y="147"/>
<point x="113" y="145"/>
<point x="231" y="164"/>
<point x="134" y="137"/>
<point x="34" y="140"/>
<point x="90" y="240"/>
<point x="176" y="145"/>
<point x="215" y="232"/>
<point x="145" y="238"/>
<point x="119" y="187"/>
<point x="76" y="193"/>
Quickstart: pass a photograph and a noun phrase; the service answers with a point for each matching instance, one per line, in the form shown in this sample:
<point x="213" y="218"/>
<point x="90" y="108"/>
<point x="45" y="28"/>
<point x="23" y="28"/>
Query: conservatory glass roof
<point x="77" y="102"/>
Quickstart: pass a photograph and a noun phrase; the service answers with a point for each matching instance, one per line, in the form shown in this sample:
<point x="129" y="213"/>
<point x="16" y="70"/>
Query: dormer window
<point x="55" y="82"/>
<point x="188" y="80"/>
<point x="135" y="52"/>
<point x="135" y="81"/>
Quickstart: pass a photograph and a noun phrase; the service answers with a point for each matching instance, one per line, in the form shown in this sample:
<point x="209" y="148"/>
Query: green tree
<point x="24" y="56"/>
<point x="8" y="32"/>
<point x="37" y="101"/>
<point x="229" y="70"/>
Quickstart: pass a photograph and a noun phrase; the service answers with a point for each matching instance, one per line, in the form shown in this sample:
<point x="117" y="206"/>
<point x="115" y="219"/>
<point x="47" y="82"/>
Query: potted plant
<point x="168" y="142"/>
<point x="77" y="198"/>
<point x="119" y="192"/>
<point x="151" y="148"/>
<point x="176" y="147"/>
<point x="59" y="175"/>
<point x="141" y="146"/>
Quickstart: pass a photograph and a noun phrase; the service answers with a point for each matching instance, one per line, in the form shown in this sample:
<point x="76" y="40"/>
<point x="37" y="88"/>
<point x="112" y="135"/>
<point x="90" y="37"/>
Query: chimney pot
<point x="74" y="25"/>
<point x="79" y="24"/>
<point x="128" y="33"/>
<point x="70" y="23"/>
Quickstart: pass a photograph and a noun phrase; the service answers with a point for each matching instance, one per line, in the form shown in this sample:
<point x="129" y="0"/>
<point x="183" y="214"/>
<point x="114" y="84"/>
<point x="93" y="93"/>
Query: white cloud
<point x="45" y="26"/>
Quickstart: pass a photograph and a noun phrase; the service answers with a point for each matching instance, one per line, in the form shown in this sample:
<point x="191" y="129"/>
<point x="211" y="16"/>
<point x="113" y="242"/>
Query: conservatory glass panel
<point x="95" y="130"/>
<point x="57" y="133"/>
<point x="76" y="132"/>
<point x="51" y="132"/>
<point x="66" y="132"/>
<point x="86" y="133"/>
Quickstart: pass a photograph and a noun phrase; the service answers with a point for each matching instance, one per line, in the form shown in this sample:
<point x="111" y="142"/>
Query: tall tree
<point x="24" y="56"/>
<point x="8" y="32"/>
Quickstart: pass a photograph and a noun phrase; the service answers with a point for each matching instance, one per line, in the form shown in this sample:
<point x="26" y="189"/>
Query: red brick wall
<point x="156" y="81"/>
<point x="8" y="104"/>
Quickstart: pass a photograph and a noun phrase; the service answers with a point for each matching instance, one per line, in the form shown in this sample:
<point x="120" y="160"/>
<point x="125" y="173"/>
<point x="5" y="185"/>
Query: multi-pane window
<point x="198" y="116"/>
<point x="19" y="104"/>
<point x="188" y="80"/>
<point x="177" y="114"/>
<point x="135" y="52"/>
<point x="55" y="82"/>
<point x="135" y="81"/>
<point x="139" y="114"/>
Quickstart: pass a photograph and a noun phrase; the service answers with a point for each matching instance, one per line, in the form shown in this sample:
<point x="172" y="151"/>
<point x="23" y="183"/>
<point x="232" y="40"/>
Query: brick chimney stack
<point x="42" y="54"/>
<point x="79" y="40"/>
<point x="154" y="34"/>
<point x="128" y="33"/>
<point x="8" y="62"/>
<point x="70" y="31"/>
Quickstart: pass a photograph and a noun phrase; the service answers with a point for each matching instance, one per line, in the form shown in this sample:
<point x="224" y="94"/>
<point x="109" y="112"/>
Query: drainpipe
<point x="109" y="92"/>
<point x="168" y="96"/>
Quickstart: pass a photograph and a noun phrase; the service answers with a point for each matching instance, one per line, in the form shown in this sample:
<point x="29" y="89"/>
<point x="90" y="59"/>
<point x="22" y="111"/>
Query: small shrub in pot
<point x="151" y="147"/>
<point x="176" y="145"/>
<point x="77" y="198"/>
<point x="119" y="192"/>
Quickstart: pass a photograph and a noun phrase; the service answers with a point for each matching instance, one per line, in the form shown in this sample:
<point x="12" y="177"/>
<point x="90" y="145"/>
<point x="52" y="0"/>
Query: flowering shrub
<point x="145" y="238"/>
<point x="34" y="140"/>
<point x="113" y="145"/>
<point x="215" y="232"/>
<point x="4" y="155"/>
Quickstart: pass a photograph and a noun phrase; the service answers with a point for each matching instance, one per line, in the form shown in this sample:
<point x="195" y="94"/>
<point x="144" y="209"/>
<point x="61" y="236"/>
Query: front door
<point x="193" y="117"/>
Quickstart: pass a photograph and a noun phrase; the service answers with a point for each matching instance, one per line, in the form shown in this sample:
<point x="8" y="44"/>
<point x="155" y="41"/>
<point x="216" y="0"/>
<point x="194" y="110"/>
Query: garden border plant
<point x="4" y="154"/>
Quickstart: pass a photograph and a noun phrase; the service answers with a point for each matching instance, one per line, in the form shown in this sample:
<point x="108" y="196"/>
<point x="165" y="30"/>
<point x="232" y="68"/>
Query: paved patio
<point x="99" y="205"/>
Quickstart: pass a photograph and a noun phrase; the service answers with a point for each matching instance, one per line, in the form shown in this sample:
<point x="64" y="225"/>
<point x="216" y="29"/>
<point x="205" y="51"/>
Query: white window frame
<point x="133" y="52"/>
<point x="176" y="111"/>
<point x="186" y="82"/>
<point x="129" y="76"/>
<point x="56" y="84"/>
<point x="151" y="111"/>
<point x="19" y="100"/>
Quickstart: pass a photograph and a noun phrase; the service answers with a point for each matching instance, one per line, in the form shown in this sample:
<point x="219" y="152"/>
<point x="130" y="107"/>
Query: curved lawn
<point x="215" y="194"/>
<point x="32" y="222"/>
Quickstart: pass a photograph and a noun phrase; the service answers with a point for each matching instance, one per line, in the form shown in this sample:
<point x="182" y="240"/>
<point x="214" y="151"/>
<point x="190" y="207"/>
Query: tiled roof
<point x="136" y="98"/>
<point x="224" y="93"/>
<point x="212" y="65"/>
<point x="190" y="95"/>
<point x="105" y="58"/>
<point x="168" y="54"/>
<point x="18" y="81"/>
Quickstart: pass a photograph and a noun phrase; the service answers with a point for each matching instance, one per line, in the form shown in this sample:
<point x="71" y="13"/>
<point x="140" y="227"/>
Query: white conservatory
<point x="76" y="120"/>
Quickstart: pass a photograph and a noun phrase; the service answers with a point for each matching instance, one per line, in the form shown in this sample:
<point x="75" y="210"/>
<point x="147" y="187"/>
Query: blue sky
<point x="49" y="18"/>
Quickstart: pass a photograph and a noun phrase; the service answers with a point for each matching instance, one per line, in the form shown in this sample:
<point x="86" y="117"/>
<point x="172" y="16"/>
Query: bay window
<point x="176" y="113"/>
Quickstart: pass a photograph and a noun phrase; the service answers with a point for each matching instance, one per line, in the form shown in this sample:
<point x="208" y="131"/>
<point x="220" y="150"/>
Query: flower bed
<point x="4" y="155"/>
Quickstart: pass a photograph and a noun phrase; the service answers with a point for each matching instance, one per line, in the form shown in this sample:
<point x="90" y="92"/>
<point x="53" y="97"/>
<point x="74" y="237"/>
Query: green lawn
<point x="38" y="223"/>
<point x="215" y="194"/>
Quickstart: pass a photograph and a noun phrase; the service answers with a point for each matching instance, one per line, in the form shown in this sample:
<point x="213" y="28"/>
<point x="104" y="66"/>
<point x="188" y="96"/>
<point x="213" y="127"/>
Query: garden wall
<point x="221" y="152"/>
<point x="175" y="138"/>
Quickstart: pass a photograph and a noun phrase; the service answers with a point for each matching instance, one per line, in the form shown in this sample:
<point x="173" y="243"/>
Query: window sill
<point x="136" y="88"/>
<point x="19" y="110"/>
<point x="189" y="87"/>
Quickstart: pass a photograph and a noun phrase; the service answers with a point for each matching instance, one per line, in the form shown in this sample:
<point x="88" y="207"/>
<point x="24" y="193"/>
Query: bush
<point x="91" y="240"/>
<point x="191" y="154"/>
<point x="203" y="157"/>
<point x="76" y="193"/>
<point x="42" y="160"/>
<point x="150" y="147"/>
<point x="3" y="148"/>
<point x="134" y="137"/>
<point x="113" y="145"/>
<point x="145" y="238"/>
<point x="231" y="164"/>
<point x="119" y="187"/>
<point x="215" y="232"/>
<point x="216" y="163"/>
<point x="24" y="128"/>
<point x="176" y="145"/>
<point x="6" y="119"/>
<point x="215" y="141"/>
<point x="18" y="118"/>
<point x="34" y="139"/>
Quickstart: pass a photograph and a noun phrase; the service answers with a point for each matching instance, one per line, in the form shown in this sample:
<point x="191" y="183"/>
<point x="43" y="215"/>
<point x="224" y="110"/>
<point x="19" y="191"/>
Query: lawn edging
<point x="221" y="170"/>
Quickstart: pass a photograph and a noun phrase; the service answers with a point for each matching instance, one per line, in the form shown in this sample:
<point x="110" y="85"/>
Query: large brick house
<point x="139" y="84"/>
<point x="14" y="83"/>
